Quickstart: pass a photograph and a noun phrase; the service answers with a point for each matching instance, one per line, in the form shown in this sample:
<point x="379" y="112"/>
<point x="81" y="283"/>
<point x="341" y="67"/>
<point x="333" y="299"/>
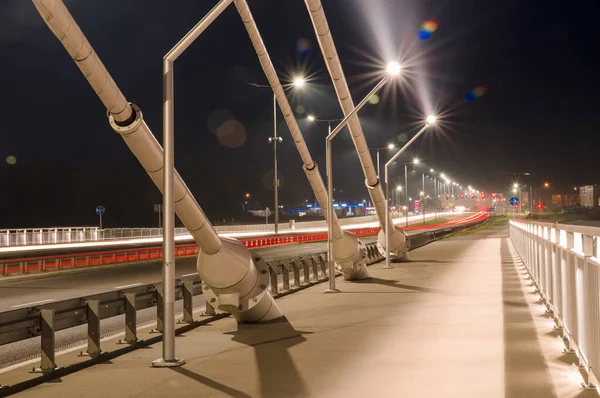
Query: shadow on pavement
<point x="526" y="372"/>
<point x="398" y="285"/>
<point x="279" y="376"/>
<point x="210" y="383"/>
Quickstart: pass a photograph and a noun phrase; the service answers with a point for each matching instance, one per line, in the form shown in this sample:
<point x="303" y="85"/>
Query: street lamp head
<point x="516" y="186"/>
<point x="416" y="160"/>
<point x="299" y="82"/>
<point x="393" y="68"/>
<point x="391" y="146"/>
<point x="546" y="184"/>
<point x="443" y="175"/>
<point x="310" y="118"/>
<point x="431" y="170"/>
<point x="399" y="188"/>
<point x="431" y="120"/>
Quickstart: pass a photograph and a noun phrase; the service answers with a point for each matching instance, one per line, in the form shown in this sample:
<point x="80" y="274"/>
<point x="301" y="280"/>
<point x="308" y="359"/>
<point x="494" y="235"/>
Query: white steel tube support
<point x="323" y="33"/>
<point x="378" y="175"/>
<point x="350" y="252"/>
<point x="230" y="275"/>
<point x="387" y="194"/>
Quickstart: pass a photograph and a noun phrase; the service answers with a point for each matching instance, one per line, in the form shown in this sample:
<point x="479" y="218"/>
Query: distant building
<point x="567" y="199"/>
<point x="589" y="196"/>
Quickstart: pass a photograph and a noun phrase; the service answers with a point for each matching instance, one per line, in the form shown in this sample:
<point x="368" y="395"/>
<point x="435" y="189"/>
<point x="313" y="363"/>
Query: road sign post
<point x="267" y="214"/>
<point x="514" y="202"/>
<point x="100" y="211"/>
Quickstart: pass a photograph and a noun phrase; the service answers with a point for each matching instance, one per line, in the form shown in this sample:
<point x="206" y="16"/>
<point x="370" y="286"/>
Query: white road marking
<point x="192" y="274"/>
<point x="126" y="286"/>
<point x="32" y="303"/>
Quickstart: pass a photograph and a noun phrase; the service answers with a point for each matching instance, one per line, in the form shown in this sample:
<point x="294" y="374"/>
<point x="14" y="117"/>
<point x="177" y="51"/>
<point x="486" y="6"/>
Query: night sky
<point x="536" y="59"/>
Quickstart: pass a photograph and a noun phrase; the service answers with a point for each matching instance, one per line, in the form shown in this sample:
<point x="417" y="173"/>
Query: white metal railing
<point x="27" y="237"/>
<point x="564" y="261"/>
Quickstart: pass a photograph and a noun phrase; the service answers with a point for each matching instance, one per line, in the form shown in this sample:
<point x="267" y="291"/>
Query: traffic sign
<point x="268" y="212"/>
<point x="513" y="201"/>
<point x="100" y="210"/>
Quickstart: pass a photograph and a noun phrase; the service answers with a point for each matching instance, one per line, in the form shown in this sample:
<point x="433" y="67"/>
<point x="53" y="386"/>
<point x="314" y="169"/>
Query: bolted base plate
<point x="161" y="363"/>
<point x="332" y="291"/>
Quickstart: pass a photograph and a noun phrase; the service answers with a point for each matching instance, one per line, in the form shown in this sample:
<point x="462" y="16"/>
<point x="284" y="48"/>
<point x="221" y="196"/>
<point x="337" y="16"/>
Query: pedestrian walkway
<point x="460" y="320"/>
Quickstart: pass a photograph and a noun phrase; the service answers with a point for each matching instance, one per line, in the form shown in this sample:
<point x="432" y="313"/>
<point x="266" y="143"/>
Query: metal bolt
<point x="212" y="300"/>
<point x="263" y="286"/>
<point x="264" y="271"/>
<point x="256" y="259"/>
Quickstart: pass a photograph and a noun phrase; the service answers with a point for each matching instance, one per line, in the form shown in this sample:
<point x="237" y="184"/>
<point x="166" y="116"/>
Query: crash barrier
<point x="287" y="276"/>
<point x="563" y="263"/>
<point x="28" y="265"/>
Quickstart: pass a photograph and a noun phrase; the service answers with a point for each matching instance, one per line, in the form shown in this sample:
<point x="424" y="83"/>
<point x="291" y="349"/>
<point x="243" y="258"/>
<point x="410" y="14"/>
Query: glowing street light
<point x="394" y="69"/>
<point x="299" y="82"/>
<point x="310" y="118"/>
<point x="431" y="170"/>
<point x="391" y="146"/>
<point x="431" y="119"/>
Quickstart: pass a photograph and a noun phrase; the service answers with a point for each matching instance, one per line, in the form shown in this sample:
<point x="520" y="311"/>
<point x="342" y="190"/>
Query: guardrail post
<point x="315" y="268"/>
<point x="48" y="362"/>
<point x="93" y="334"/>
<point x="159" y="308"/>
<point x="285" y="273"/>
<point x="273" y="275"/>
<point x="296" y="268"/>
<point x="306" y="270"/>
<point x="323" y="264"/>
<point x="130" y="319"/>
<point x="188" y="308"/>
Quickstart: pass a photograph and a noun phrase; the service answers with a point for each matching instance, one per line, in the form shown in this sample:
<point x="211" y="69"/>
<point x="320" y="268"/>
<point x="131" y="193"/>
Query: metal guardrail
<point x="563" y="261"/>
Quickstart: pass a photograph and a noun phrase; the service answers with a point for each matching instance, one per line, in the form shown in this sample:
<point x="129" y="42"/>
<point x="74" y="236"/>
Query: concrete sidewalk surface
<point x="460" y="320"/>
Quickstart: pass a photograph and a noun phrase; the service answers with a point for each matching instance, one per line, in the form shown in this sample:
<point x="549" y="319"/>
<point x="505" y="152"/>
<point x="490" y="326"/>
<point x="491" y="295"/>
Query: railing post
<point x="48" y="362"/>
<point x="93" y="334"/>
<point x="323" y="264"/>
<point x="130" y="319"/>
<point x="306" y="270"/>
<point x="273" y="275"/>
<point x="159" y="308"/>
<point x="296" y="268"/>
<point x="315" y="268"/>
<point x="285" y="273"/>
<point x="188" y="307"/>
<point x="209" y="310"/>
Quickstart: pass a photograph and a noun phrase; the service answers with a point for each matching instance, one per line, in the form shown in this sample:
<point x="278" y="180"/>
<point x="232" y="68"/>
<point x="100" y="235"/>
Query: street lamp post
<point x="329" y="168"/>
<point x="415" y="161"/>
<point x="298" y="82"/>
<point x="168" y="348"/>
<point x="430" y="121"/>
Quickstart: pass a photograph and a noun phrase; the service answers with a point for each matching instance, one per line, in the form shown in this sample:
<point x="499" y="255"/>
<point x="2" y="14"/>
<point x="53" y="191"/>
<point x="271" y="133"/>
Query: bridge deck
<point x="458" y="321"/>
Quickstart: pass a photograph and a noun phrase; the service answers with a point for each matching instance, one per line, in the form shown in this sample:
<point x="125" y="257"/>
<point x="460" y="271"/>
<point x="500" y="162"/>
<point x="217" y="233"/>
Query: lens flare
<point x="427" y="29"/>
<point x="11" y="160"/>
<point x="477" y="92"/>
<point x="303" y="46"/>
<point x="374" y="100"/>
